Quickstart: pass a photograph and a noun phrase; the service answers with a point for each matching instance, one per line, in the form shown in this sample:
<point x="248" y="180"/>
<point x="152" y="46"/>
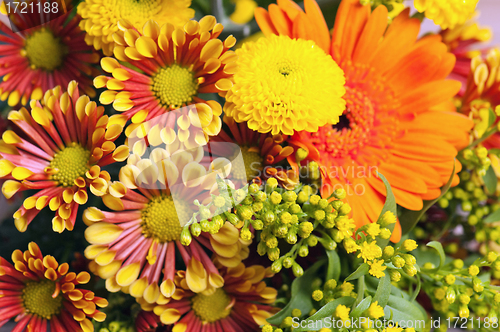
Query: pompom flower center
<point x="38" y="300"/>
<point x="45" y="51"/>
<point x="72" y="163"/>
<point x="211" y="308"/>
<point x="160" y="219"/>
<point x="253" y="162"/>
<point x="174" y="86"/>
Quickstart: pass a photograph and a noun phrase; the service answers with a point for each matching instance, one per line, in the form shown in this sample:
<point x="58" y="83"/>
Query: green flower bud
<point x="205" y="225"/>
<point x="385" y="233"/>
<point x="219" y="201"/>
<point x="398" y="261"/>
<point x="337" y="205"/>
<point x="339" y="194"/>
<point x="114" y="326"/>
<point x="388" y="252"/>
<point x="458" y="263"/>
<point x="330" y="285"/>
<point x="275" y="198"/>
<point x="296" y="313"/>
<point x="319" y="215"/>
<point x="410" y="270"/>
<point x="204" y="212"/>
<point x="297" y="270"/>
<point x="286" y="217"/>
<point x="305" y="229"/>
<point x="302" y="197"/>
<point x="463" y="311"/>
<point x="281" y="231"/>
<point x="317" y="295"/>
<point x="260" y="196"/>
<point x="295" y="208"/>
<point x="287" y="322"/>
<point x="257" y="206"/>
<point x="303" y="251"/>
<point x="253" y="188"/>
<point x="395" y="275"/>
<point x="477" y="285"/>
<point x="289" y="196"/>
<point x="244" y="212"/>
<point x="277" y="266"/>
<point x="291" y="238"/>
<point x="186" y="236"/>
<point x="450" y="279"/>
<point x="232" y="218"/>
<point x="272" y="242"/>
<point x="218" y="221"/>
<point x="269" y="217"/>
<point x="409" y="259"/>
<point x="314" y="200"/>
<point x="312" y="241"/>
<point x="491" y="256"/>
<point x="287" y="262"/>
<point x="345" y="209"/>
<point x="246" y="234"/>
<point x="464" y="298"/>
<point x="409" y="245"/>
<point x="450" y="295"/>
<point x="273" y="254"/>
<point x="257" y="224"/>
<point x="195" y="229"/>
<point x="262" y="248"/>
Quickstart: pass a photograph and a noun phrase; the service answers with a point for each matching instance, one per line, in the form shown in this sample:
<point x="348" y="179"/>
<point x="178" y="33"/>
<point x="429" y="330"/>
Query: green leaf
<point x="405" y="312"/>
<point x="492" y="117"/>
<point x="492" y="217"/>
<point x="333" y="271"/>
<point x="389" y="205"/>
<point x="383" y="290"/>
<point x="410" y="218"/>
<point x="325" y="312"/>
<point x="360" y="271"/>
<point x="361" y="307"/>
<point x="439" y="248"/>
<point x="490" y="180"/>
<point x="301" y="295"/>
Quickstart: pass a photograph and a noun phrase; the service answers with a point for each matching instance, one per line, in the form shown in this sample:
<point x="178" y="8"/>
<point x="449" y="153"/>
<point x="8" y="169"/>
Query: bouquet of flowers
<point x="242" y="165"/>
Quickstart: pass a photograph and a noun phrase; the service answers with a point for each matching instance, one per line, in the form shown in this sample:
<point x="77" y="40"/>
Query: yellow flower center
<point x="211" y="308"/>
<point x="38" y="300"/>
<point x="174" y="86"/>
<point x="253" y="165"/>
<point x="160" y="219"/>
<point x="72" y="162"/>
<point x="45" y="51"/>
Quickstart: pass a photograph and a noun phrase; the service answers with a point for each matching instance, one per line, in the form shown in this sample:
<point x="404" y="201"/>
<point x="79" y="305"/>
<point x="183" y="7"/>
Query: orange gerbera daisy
<point x="42" y="55"/>
<point x="65" y="145"/>
<point x="37" y="290"/>
<point x="396" y="122"/>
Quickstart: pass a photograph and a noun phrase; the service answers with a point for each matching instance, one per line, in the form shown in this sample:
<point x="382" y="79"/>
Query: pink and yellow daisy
<point x="43" y="55"/>
<point x="169" y="68"/>
<point x="259" y="152"/>
<point x="100" y="18"/>
<point x="241" y="305"/>
<point x="38" y="292"/>
<point x="66" y="140"/>
<point x="135" y="247"/>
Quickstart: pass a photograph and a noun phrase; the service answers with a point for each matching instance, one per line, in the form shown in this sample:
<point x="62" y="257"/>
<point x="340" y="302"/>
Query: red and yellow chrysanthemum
<point x="463" y="42"/>
<point x="135" y="247"/>
<point x="146" y="321"/>
<point x="43" y="55"/>
<point x="259" y="152"/>
<point x="242" y="304"/>
<point x="66" y="140"/>
<point x="399" y="119"/>
<point x="100" y="18"/>
<point x="167" y="69"/>
<point x="38" y="291"/>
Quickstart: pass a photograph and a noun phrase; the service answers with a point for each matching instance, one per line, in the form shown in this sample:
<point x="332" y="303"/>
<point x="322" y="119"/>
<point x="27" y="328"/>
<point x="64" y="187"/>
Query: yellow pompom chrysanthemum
<point x="100" y="18"/>
<point x="285" y="84"/>
<point x="447" y="13"/>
